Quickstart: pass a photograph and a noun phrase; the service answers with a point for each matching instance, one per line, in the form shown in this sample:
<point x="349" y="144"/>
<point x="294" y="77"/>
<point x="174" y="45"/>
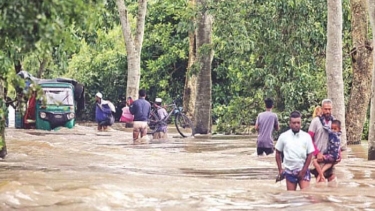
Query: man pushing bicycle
<point x="161" y="131"/>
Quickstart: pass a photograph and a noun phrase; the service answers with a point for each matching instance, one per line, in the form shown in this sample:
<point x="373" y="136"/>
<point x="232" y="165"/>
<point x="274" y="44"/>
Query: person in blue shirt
<point x="141" y="110"/>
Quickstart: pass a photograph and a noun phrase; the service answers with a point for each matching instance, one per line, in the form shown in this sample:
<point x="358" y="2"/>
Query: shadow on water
<point x="189" y="146"/>
<point x="198" y="148"/>
<point x="238" y="174"/>
<point x="28" y="168"/>
<point x="45" y="133"/>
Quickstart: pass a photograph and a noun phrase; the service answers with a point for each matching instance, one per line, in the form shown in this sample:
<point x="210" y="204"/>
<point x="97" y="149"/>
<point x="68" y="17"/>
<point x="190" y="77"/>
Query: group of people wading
<point x="137" y="112"/>
<point x="297" y="150"/>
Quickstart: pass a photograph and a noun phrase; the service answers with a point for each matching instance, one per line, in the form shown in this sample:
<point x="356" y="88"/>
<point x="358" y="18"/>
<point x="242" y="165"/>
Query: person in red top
<point x="126" y="115"/>
<point x="30" y="116"/>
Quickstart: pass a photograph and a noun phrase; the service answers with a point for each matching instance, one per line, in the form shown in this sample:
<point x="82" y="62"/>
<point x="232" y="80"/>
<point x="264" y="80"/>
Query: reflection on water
<point x="79" y="169"/>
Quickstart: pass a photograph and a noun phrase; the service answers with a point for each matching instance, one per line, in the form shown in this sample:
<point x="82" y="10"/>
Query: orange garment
<point x="30" y="112"/>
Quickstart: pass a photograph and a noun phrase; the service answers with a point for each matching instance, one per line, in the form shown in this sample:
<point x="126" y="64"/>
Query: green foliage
<point x="100" y="67"/>
<point x="27" y="26"/>
<point x="238" y="116"/>
<point x="271" y="49"/>
<point x="36" y="31"/>
<point x="365" y="130"/>
<point x="262" y="49"/>
<point x="165" y="49"/>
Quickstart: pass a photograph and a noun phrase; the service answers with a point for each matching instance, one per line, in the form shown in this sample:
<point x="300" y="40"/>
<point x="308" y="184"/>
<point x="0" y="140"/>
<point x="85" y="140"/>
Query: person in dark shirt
<point x="141" y="110"/>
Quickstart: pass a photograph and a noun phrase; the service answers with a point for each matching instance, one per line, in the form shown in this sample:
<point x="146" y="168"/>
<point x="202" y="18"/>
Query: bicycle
<point x="183" y="124"/>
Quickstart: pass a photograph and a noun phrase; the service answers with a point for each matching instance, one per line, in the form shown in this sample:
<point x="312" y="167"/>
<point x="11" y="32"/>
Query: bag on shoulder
<point x="105" y="114"/>
<point x="126" y="116"/>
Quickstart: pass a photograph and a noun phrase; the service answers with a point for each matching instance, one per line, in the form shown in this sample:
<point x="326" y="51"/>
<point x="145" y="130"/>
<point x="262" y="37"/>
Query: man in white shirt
<point x="297" y="149"/>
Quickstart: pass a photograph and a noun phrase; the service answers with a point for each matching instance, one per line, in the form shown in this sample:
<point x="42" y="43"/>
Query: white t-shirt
<point x="295" y="148"/>
<point x="110" y="104"/>
<point x="162" y="113"/>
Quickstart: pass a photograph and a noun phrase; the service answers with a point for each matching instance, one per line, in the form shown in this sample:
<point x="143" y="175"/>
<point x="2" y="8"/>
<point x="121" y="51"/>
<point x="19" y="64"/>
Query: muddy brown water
<point x="79" y="169"/>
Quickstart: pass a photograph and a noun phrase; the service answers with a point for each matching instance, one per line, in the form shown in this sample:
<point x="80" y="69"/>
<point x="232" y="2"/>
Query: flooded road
<point x="78" y="169"/>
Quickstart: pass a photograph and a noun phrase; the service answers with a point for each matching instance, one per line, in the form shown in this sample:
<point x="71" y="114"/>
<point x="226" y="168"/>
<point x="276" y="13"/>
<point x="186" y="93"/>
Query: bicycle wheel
<point x="183" y="125"/>
<point x="151" y="122"/>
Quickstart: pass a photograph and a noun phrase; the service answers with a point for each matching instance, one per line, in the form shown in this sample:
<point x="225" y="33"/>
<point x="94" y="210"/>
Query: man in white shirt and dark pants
<point x="297" y="149"/>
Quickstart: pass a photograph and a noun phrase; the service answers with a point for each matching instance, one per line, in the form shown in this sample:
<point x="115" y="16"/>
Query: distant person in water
<point x="104" y="112"/>
<point x="161" y="131"/>
<point x="297" y="148"/>
<point x="265" y="124"/>
<point x="126" y="116"/>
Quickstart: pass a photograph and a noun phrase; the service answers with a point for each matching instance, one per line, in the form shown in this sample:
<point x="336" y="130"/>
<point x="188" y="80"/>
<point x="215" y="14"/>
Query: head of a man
<point x="327" y="108"/>
<point x="158" y="101"/>
<point x="295" y="121"/>
<point x="269" y="103"/>
<point x="98" y="97"/>
<point x="142" y="93"/>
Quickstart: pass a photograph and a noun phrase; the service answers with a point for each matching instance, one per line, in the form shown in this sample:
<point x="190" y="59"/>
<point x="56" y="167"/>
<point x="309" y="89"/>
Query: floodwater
<point x="80" y="169"/>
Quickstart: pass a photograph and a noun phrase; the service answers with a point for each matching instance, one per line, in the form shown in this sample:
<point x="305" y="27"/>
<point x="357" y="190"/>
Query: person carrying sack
<point x="104" y="112"/>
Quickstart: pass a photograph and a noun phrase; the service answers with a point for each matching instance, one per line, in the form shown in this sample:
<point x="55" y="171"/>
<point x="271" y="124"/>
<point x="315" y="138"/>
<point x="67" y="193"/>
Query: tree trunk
<point x="371" y="134"/>
<point x="335" y="81"/>
<point x="42" y="67"/>
<point x="202" y="114"/>
<point x="133" y="45"/>
<point x="191" y="78"/>
<point x="362" y="61"/>
<point x="3" y="148"/>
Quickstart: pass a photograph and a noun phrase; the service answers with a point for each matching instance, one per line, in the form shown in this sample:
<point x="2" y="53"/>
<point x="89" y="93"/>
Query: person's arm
<point x="165" y="113"/>
<point x="316" y="150"/>
<point x="311" y="132"/>
<point x="132" y="108"/>
<point x="257" y="124"/>
<point x="277" y="125"/>
<point x="278" y="161"/>
<point x="279" y="147"/>
<point x="302" y="173"/>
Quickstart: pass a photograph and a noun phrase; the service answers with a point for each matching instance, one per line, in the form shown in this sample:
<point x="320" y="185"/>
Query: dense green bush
<point x="236" y="117"/>
<point x="240" y="115"/>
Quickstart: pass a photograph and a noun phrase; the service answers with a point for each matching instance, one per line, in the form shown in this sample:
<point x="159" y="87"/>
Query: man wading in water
<point x="265" y="124"/>
<point x="297" y="148"/>
<point x="320" y="137"/>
